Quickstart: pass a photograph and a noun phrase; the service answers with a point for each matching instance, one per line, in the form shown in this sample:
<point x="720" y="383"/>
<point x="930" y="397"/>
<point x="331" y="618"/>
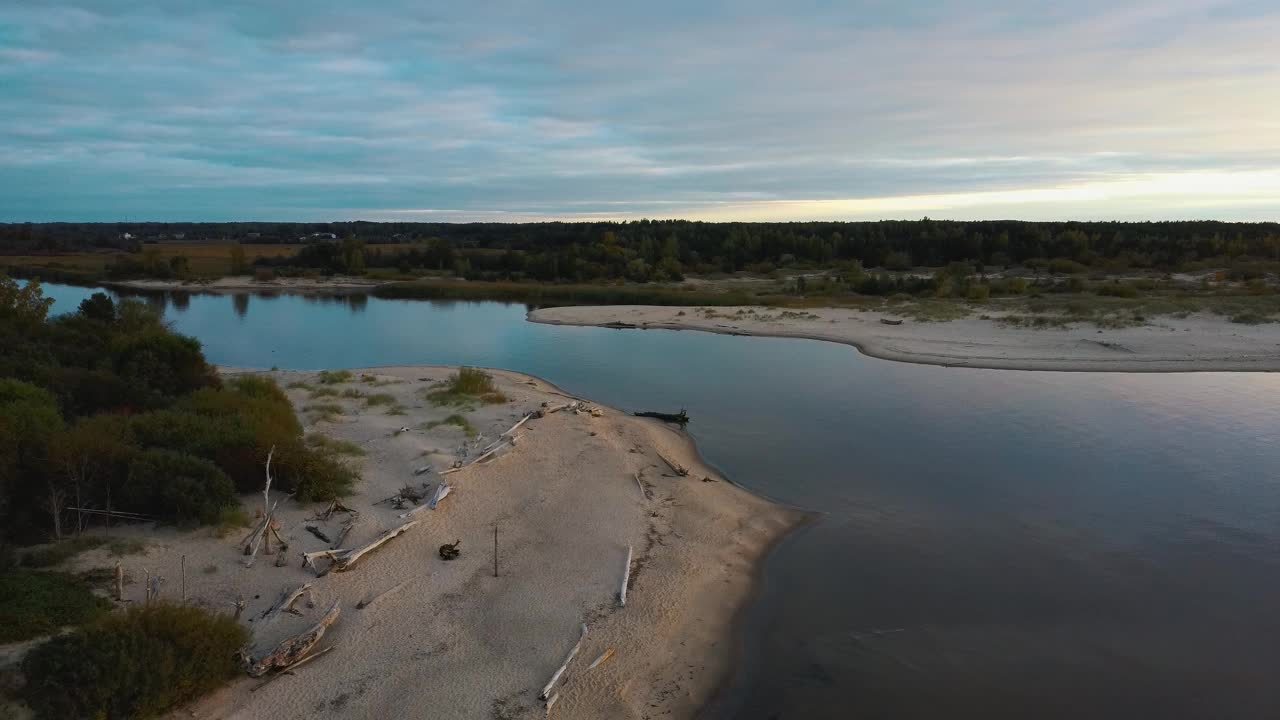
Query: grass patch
<point x="338" y="447"/>
<point x="231" y="519"/>
<point x="138" y="664"/>
<point x="325" y="408"/>
<point x="929" y="310"/>
<point x="467" y="386"/>
<point x="334" y="377"/>
<point x="34" y="603"/>
<point x="379" y="399"/>
<point x="373" y="381"/>
<point x="324" y="392"/>
<point x="67" y="549"/>
<point x="397" y="409"/>
<point x="455" y="420"/>
<point x="352" y="394"/>
<point x="298" y="385"/>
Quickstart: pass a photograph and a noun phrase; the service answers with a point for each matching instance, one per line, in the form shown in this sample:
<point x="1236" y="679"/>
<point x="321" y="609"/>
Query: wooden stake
<point x="546" y="690"/>
<point x="626" y="576"/>
<point x="495" y="549"/>
<point x="119" y="582"/>
<point x="184" y="578"/>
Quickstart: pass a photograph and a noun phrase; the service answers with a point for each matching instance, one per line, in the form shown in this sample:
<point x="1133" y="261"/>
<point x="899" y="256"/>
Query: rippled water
<point x="994" y="544"/>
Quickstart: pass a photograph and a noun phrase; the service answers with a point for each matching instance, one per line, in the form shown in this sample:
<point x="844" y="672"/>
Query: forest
<point x="666" y="250"/>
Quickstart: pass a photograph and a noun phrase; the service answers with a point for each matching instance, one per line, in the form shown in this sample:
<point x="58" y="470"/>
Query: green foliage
<point x="353" y="394"/>
<point x="466" y="386"/>
<point x="334" y="377"/>
<point x="379" y="399"/>
<point x="25" y="306"/>
<point x="137" y="664"/>
<point x="455" y="420"/>
<point x="340" y="447"/>
<point x="898" y="261"/>
<point x="1116" y="288"/>
<point x="177" y="487"/>
<point x="61" y="552"/>
<point x="34" y="603"/>
<point x="298" y="385"/>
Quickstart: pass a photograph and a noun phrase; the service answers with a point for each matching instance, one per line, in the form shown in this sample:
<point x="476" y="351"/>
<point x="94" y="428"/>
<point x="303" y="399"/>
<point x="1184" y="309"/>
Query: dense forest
<point x="105" y="408"/>
<point x="647" y="250"/>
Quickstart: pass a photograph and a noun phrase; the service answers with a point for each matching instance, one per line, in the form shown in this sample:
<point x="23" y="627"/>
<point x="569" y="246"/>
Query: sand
<point x="456" y="642"/>
<point x="1199" y="342"/>
<point x="246" y="283"/>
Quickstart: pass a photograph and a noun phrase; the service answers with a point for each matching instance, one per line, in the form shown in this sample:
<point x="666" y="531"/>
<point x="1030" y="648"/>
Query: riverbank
<point x="1197" y="342"/>
<point x="453" y="640"/>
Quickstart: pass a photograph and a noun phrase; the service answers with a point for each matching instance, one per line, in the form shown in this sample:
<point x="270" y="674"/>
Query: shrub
<point x="897" y="261"/>
<point x="379" y="399"/>
<point x="34" y="603"/>
<point x="467" y="385"/>
<point x="138" y="664"/>
<point x="1066" y="266"/>
<point x="352" y="393"/>
<point x="340" y="447"/>
<point x="1117" y="289"/>
<point x="177" y="487"/>
<point x="264" y="275"/>
<point x="455" y="420"/>
<point x="333" y="377"/>
<point x="978" y="293"/>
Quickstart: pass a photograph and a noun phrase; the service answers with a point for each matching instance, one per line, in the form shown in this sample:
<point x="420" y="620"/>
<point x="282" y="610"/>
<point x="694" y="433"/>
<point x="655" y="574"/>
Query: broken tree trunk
<point x="318" y="533"/>
<point x="626" y="577"/>
<point x="546" y="690"/>
<point x="293" y="649"/>
<point x="289" y="670"/>
<point x="676" y="468"/>
<point x="681" y="418"/>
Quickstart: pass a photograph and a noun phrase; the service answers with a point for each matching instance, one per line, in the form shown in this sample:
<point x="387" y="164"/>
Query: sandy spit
<point x="455" y="641"/>
<point x="246" y="283"/>
<point x="1197" y="343"/>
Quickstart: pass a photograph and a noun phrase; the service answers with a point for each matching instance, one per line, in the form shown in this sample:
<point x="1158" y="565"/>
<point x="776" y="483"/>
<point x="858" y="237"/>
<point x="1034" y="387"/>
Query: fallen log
<point x="346" y="529"/>
<point x="291" y="650"/>
<point x="626" y="577"/>
<point x="676" y="468"/>
<point x="681" y="418"/>
<point x="640" y="485"/>
<point x="441" y="492"/>
<point x="309" y="558"/>
<point x="289" y="670"/>
<point x="318" y="533"/>
<point x="285" y="603"/>
<point x="546" y="690"/>
<point x="343" y="562"/>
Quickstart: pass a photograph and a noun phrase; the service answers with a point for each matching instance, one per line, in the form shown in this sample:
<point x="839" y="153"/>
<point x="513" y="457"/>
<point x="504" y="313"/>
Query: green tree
<point x="25" y="305"/>
<point x="29" y="419"/>
<point x="177" y="487"/>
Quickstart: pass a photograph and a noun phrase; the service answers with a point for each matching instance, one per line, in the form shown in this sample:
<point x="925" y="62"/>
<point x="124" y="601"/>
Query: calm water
<point x="994" y="544"/>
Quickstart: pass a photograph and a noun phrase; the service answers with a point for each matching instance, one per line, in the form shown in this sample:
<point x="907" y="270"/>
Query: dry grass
<point x="204" y="259"/>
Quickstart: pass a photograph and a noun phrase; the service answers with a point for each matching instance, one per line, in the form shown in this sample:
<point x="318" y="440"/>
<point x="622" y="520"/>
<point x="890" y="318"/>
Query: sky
<point x="574" y="110"/>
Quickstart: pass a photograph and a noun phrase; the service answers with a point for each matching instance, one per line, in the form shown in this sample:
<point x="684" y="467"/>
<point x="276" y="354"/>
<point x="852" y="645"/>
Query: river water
<point x="992" y="544"/>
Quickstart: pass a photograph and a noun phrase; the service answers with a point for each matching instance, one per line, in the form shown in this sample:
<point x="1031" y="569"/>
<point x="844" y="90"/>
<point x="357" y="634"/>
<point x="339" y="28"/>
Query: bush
<point x="138" y="664"/>
<point x="177" y="487"/>
<point x="34" y="603"/>
<point x="897" y="261"/>
<point x="466" y="386"/>
<point x="978" y="293"/>
<point x="333" y="377"/>
<point x="1117" y="289"/>
<point x="1066" y="266"/>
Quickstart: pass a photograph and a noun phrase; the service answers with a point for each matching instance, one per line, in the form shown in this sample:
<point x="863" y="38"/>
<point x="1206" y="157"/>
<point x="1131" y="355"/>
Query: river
<point x="993" y="544"/>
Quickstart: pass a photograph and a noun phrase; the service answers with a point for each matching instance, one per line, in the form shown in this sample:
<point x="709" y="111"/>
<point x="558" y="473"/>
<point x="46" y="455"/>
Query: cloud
<point x="749" y="109"/>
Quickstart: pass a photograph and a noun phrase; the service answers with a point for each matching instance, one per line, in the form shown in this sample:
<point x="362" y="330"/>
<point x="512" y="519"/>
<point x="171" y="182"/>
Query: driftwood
<point x="260" y="532"/>
<point x="450" y="551"/>
<point x="119" y="582"/>
<point x="346" y="530"/>
<point x="680" y="418"/>
<point x="289" y="670"/>
<point x="551" y="701"/>
<point x="604" y="658"/>
<point x="676" y="468"/>
<point x="389" y="591"/>
<point x="489" y="451"/>
<point x="546" y="689"/>
<point x="440" y="493"/>
<point x="546" y="409"/>
<point x="643" y="493"/>
<point x="284" y="604"/>
<point x="309" y="558"/>
<point x="139" y="517"/>
<point x="344" y="559"/>
<point x="887" y="321"/>
<point x="318" y="533"/>
<point x="626" y="577"/>
<point x="291" y="650"/>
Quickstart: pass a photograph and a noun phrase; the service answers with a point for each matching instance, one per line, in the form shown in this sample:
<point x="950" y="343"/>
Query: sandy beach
<point x="1199" y="342"/>
<point x="454" y="641"/>
<point x="246" y="283"/>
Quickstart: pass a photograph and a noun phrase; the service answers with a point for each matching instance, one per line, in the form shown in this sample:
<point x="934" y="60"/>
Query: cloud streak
<point x="733" y="110"/>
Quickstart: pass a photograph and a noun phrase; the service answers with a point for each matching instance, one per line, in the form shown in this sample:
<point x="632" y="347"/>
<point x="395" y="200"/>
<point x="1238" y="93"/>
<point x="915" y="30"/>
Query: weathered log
<point x="643" y="493"/>
<point x="681" y="418"/>
<point x="289" y="670"/>
<point x="309" y="559"/>
<point x="626" y="577"/>
<point x="291" y="650"/>
<point x="440" y="493"/>
<point x="346" y="530"/>
<point x="546" y="690"/>
<point x="285" y="603"/>
<point x="389" y="591"/>
<point x="345" y="561"/>
<point x="551" y="702"/>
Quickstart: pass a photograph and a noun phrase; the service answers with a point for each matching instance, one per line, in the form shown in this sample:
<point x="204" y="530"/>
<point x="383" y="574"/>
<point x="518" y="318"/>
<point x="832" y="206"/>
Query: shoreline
<point x="699" y="547"/>
<point x="1169" y="345"/>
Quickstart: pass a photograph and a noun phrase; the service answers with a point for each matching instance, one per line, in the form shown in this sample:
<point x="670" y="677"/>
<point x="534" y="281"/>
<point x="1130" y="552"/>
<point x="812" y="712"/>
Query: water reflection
<point x="240" y="303"/>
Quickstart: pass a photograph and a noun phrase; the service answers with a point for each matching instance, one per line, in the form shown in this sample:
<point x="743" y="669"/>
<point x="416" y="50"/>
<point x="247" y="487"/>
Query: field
<point x="206" y="259"/>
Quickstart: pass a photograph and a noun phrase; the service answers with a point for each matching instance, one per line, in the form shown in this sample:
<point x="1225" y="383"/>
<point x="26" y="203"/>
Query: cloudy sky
<point x="533" y="109"/>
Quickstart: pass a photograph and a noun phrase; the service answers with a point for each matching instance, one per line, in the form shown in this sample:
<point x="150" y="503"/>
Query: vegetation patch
<point x="465" y="387"/>
<point x="339" y="447"/>
<point x="137" y="664"/>
<point x="321" y="392"/>
<point x="455" y="420"/>
<point x="379" y="399"/>
<point x="352" y="394"/>
<point x="334" y="377"/>
<point x="299" y="385"/>
<point x="34" y="603"/>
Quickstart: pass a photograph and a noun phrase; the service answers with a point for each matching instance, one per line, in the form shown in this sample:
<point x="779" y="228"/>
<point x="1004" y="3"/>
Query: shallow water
<point x="994" y="544"/>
